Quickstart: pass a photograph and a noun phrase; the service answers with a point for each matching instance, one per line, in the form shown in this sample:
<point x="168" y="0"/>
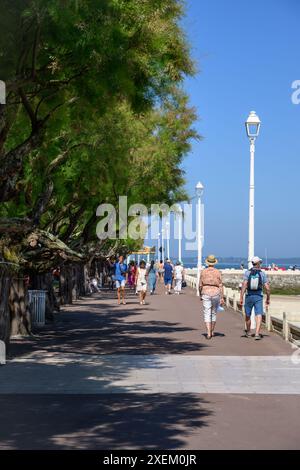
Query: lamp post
<point x="178" y="215"/>
<point x="168" y="239"/>
<point x="162" y="244"/>
<point x="158" y="247"/>
<point x="253" y="124"/>
<point x="199" y="193"/>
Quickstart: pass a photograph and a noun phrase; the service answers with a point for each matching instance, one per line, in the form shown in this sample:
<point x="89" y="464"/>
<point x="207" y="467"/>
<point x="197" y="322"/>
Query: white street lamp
<point x="253" y="124"/>
<point x="178" y="216"/>
<point x="162" y="244"/>
<point x="158" y="247"/>
<point x="199" y="193"/>
<point x="168" y="239"/>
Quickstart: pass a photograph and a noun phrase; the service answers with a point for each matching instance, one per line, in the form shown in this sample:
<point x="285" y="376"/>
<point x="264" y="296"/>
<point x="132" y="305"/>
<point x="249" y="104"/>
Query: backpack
<point x="255" y="282"/>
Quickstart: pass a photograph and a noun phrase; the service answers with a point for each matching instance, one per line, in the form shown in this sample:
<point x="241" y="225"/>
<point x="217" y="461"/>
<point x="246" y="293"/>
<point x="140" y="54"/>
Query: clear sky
<point x="247" y="56"/>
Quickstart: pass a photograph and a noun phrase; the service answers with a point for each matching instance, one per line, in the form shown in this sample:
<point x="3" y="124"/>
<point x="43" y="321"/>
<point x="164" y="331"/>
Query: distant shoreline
<point x="237" y="266"/>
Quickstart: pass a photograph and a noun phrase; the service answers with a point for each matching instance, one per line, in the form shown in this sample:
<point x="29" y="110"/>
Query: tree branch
<point x="15" y="225"/>
<point x="73" y="224"/>
<point x="11" y="163"/>
<point x="28" y="108"/>
<point x="35" y="50"/>
<point x="42" y="202"/>
<point x="61" y="158"/>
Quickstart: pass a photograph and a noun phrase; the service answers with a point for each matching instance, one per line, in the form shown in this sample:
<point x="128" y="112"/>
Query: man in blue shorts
<point x="168" y="276"/>
<point x="255" y="281"/>
<point x="120" y="277"/>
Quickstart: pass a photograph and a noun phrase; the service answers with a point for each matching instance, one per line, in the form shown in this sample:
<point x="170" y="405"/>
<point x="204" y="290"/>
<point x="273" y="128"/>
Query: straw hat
<point x="211" y="260"/>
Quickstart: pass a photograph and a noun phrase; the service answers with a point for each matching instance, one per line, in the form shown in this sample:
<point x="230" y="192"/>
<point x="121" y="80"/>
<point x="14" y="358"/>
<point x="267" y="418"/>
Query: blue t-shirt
<point x="168" y="270"/>
<point x="264" y="279"/>
<point x="120" y="271"/>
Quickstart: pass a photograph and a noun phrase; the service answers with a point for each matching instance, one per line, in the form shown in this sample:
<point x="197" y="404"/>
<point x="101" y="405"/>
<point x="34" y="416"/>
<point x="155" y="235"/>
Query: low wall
<point x="278" y="279"/>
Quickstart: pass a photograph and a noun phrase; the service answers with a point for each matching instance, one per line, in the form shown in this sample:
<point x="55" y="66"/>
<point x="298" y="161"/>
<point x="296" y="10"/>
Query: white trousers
<point x="210" y="307"/>
<point x="178" y="285"/>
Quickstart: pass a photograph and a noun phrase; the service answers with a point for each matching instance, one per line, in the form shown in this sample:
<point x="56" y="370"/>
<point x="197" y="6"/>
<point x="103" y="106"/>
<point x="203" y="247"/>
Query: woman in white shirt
<point x="178" y="277"/>
<point x="141" y="281"/>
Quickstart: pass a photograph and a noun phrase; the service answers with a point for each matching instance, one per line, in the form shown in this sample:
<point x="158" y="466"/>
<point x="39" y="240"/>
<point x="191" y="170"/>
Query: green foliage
<point x="95" y="107"/>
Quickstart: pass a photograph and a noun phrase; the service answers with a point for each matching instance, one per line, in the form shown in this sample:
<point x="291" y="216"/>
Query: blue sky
<point x="247" y="56"/>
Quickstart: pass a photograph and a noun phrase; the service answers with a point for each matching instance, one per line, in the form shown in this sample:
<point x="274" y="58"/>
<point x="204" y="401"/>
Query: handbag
<point x="184" y="284"/>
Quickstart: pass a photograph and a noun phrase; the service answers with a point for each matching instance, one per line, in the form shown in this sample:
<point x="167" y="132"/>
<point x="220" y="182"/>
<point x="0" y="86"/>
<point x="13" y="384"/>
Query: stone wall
<point x="278" y="279"/>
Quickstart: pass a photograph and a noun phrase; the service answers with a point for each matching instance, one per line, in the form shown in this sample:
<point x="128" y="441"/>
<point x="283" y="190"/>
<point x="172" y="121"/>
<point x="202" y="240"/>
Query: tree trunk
<point x="75" y="282"/>
<point x="85" y="283"/>
<point x="66" y="285"/>
<point x="80" y="281"/>
<point x="5" y="283"/>
<point x="19" y="308"/>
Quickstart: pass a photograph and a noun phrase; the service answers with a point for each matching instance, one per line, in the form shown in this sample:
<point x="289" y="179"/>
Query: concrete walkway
<point x="108" y="376"/>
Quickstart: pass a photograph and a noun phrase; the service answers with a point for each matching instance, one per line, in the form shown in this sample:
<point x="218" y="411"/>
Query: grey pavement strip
<point x="56" y="373"/>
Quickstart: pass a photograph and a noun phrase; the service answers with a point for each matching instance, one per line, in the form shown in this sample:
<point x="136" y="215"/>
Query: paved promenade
<point x="108" y="376"/>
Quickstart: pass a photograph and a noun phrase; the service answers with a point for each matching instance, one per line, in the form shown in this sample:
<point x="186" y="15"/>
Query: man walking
<point x="255" y="281"/>
<point x="168" y="276"/>
<point x="120" y="277"/>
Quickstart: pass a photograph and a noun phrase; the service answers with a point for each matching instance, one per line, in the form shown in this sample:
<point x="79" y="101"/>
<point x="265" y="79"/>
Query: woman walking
<point x="131" y="274"/>
<point x="161" y="270"/>
<point x="141" y="281"/>
<point x="211" y="291"/>
<point x="152" y="277"/>
<point x="178" y="277"/>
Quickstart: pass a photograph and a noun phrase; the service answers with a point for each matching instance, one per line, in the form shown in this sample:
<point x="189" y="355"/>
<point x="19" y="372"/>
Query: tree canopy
<point x="95" y="110"/>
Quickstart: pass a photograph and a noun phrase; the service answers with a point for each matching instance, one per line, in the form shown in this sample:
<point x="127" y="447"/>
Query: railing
<point x="287" y="324"/>
<point x="191" y="281"/>
<point x="37" y="302"/>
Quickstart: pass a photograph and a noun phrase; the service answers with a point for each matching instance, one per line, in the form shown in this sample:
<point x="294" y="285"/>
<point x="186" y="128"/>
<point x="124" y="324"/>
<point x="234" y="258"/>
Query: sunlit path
<point x="88" y="374"/>
<point x="102" y="366"/>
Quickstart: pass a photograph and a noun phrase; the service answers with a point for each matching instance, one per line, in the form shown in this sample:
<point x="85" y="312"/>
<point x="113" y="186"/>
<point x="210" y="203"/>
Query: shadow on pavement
<point x="100" y="422"/>
<point x="102" y="328"/>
